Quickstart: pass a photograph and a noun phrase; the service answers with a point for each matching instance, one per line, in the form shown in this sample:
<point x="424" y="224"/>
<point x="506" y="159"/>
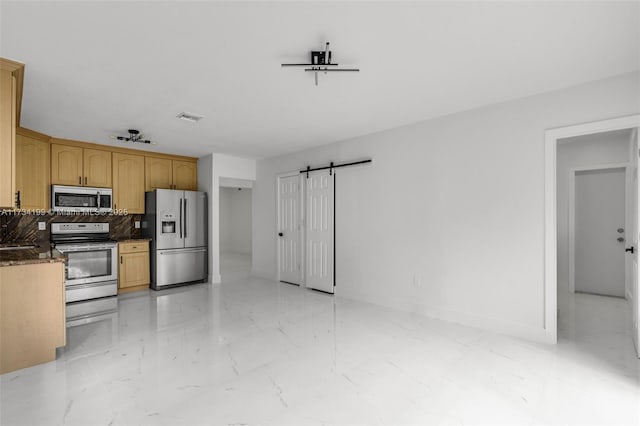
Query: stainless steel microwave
<point x="81" y="199"/>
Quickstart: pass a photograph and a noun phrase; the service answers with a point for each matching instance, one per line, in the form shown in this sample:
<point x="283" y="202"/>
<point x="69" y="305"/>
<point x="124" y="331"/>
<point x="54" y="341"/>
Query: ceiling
<point x="98" y="68"/>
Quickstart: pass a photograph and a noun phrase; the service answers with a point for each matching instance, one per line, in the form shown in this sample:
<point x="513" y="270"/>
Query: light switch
<point x="136" y="224"/>
<point x="42" y="226"/>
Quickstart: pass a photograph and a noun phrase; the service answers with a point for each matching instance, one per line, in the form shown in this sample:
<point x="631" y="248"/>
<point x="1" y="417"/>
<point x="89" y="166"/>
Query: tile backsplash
<point x="21" y="227"/>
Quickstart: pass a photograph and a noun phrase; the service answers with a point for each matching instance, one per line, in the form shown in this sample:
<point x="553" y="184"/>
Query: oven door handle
<point x="92" y="248"/>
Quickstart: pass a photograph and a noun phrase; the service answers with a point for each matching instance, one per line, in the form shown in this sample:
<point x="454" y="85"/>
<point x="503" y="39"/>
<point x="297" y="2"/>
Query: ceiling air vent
<point x="189" y="116"/>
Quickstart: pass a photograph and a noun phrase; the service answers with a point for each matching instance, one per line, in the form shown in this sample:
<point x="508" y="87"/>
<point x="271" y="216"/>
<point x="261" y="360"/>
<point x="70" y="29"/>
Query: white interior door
<point x="599" y="226"/>
<point x="289" y="214"/>
<point x="320" y="230"/>
<point x="634" y="236"/>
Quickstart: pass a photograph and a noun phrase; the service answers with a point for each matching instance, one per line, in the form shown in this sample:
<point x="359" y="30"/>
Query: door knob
<point x="280" y="234"/>
<point x="620" y="230"/>
<point x="620" y="239"/>
<point x="630" y="249"/>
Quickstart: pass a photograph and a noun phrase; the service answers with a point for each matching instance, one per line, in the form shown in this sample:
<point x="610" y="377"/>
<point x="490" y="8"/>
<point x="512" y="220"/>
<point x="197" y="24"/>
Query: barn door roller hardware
<point x="321" y="62"/>
<point x="332" y="166"/>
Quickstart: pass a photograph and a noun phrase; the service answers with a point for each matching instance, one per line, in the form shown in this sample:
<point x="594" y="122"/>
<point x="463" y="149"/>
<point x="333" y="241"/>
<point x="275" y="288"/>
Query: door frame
<point x="551" y="137"/>
<point x="572" y="215"/>
<point x="301" y="234"/>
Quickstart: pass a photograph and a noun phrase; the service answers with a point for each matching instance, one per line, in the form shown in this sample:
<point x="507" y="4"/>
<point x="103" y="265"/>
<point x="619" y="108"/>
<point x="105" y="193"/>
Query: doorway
<point x="598" y="223"/>
<point x="235" y="217"/>
<point x="588" y="168"/>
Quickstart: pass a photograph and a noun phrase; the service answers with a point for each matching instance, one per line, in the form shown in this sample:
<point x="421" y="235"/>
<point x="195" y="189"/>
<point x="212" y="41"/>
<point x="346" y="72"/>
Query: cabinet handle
<point x="79" y="180"/>
<point x="85" y="180"/>
<point x="18" y="199"/>
<point x="121" y="260"/>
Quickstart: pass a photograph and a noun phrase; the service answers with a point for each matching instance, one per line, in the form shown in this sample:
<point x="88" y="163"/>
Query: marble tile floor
<point x="256" y="352"/>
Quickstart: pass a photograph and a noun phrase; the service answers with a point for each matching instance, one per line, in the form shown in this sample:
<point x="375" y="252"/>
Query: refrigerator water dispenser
<point x="168" y="223"/>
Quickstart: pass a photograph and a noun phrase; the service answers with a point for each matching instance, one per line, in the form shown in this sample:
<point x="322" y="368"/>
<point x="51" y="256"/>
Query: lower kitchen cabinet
<point x="133" y="267"/>
<point x="32" y="314"/>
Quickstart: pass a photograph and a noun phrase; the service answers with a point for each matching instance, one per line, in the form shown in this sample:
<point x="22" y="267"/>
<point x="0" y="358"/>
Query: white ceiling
<point x="98" y="68"/>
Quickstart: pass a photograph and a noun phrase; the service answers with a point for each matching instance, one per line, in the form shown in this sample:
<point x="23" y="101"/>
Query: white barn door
<point x="320" y="230"/>
<point x="634" y="290"/>
<point x="289" y="229"/>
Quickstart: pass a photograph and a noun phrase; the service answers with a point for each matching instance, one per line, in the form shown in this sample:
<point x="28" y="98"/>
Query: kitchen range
<point x="91" y="271"/>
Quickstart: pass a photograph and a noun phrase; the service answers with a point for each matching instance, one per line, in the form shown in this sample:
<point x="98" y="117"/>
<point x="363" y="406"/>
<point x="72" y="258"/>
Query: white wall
<point x="589" y="150"/>
<point x="225" y="219"/>
<point x="449" y="220"/>
<point x="206" y="184"/>
<point x="235" y="220"/>
<point x="210" y="169"/>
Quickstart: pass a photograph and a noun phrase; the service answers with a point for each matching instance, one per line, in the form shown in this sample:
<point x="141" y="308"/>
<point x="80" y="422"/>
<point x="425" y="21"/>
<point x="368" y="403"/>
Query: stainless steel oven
<point x="81" y="199"/>
<point x="91" y="270"/>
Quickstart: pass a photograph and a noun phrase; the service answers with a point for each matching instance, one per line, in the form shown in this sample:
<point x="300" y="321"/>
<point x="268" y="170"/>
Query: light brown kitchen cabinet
<point x="158" y="173"/>
<point x="128" y="183"/>
<point x="133" y="268"/>
<point x="164" y="173"/>
<point x="73" y="165"/>
<point x="185" y="175"/>
<point x="66" y="165"/>
<point x="97" y="168"/>
<point x="32" y="314"/>
<point x="10" y="95"/>
<point x="32" y="170"/>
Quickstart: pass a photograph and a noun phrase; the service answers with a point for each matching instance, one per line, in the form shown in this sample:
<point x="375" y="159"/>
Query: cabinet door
<point x="133" y="269"/>
<point x="7" y="138"/>
<point x="66" y="165"/>
<point x="185" y="175"/>
<point x="158" y="173"/>
<point x="32" y="172"/>
<point x="128" y="182"/>
<point x="97" y="168"/>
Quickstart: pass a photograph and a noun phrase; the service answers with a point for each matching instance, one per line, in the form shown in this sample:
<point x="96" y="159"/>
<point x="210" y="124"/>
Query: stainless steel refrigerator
<point x="176" y="221"/>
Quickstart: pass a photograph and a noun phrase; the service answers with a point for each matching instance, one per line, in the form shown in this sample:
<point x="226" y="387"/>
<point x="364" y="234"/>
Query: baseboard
<point x="496" y="325"/>
<point x="264" y="274"/>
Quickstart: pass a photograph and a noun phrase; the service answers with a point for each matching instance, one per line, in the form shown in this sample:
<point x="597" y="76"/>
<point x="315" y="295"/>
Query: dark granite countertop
<point x="37" y="254"/>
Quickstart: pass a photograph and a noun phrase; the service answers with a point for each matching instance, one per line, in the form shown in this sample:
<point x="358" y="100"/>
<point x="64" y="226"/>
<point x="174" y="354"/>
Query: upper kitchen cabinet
<point x="97" y="168"/>
<point x="158" y="173"/>
<point x="165" y="173"/>
<point x="128" y="182"/>
<point x="11" y="74"/>
<point x="74" y="165"/>
<point x="66" y="165"/>
<point x="185" y="175"/>
<point x="32" y="170"/>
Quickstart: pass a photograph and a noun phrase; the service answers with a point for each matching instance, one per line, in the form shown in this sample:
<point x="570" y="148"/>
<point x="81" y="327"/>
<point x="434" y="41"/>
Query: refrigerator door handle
<point x="185" y="218"/>
<point x="173" y="252"/>
<point x="180" y="218"/>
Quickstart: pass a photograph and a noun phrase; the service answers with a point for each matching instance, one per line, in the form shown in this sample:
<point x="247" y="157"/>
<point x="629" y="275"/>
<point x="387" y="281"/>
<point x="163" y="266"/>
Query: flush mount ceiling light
<point x="189" y="116"/>
<point x="134" y="136"/>
<point x="321" y="62"/>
